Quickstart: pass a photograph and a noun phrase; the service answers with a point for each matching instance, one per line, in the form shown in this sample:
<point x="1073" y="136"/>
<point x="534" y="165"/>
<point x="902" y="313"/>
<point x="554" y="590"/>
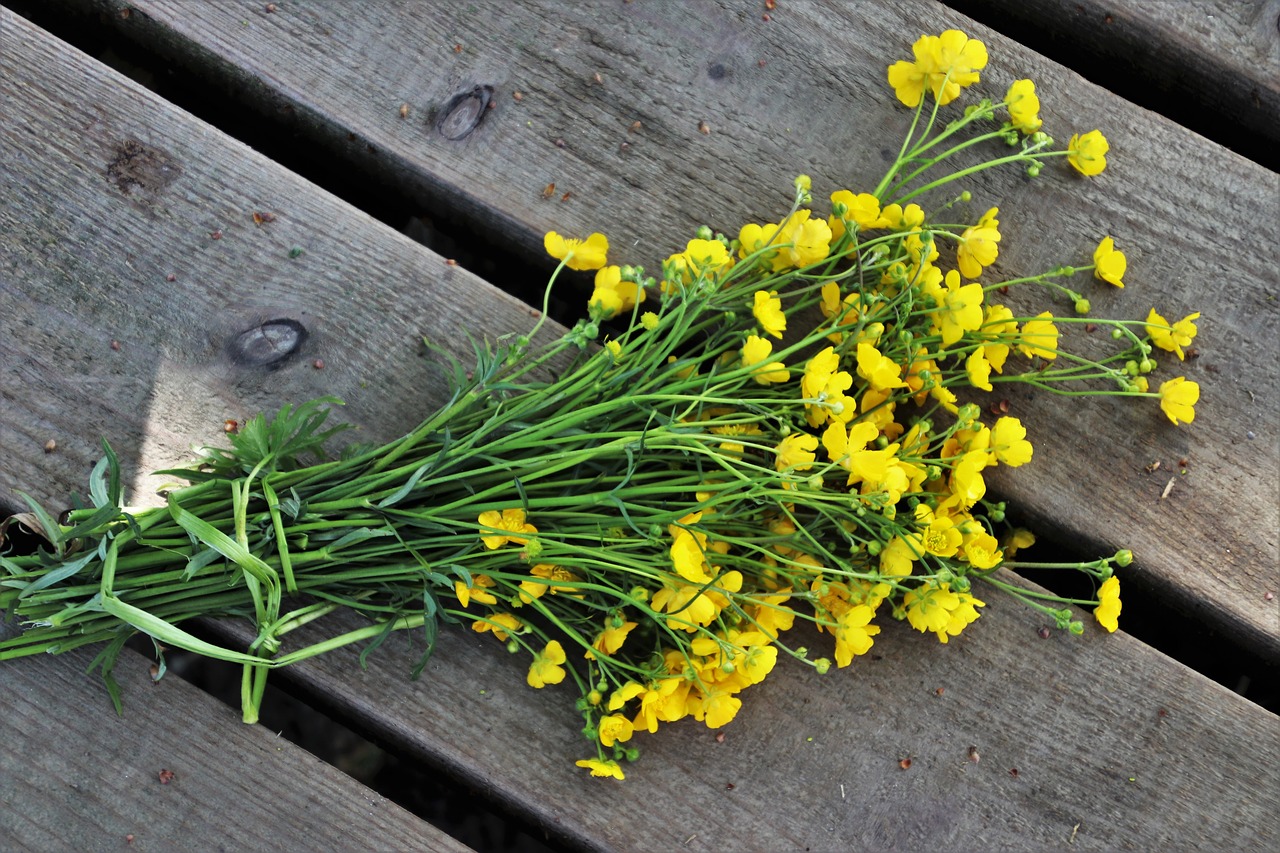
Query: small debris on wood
<point x="729" y="786"/>
<point x="1269" y="596"/>
<point x="559" y="143"/>
<point x="1013" y="771"/>
<point x="624" y="145"/>
<point x="1091" y="327"/>
<point x="450" y="262"/>
<point x="295" y="252"/>
<point x="261" y="217"/>
<point x="166" y="776"/>
<point x="171" y="277"/>
<point x="216" y="234"/>
<point x="1168" y="487"/>
<point x="115" y="345"/>
<point x="719" y="737"/>
<point x="938" y="691"/>
<point x="565" y="197"/>
<point x="318" y="364"/>
<point x="704" y="128"/>
<point x="270" y="7"/>
<point x="766" y="17"/>
<point x="128" y="839"/>
<point x="1043" y="633"/>
<point x="404" y="111"/>
<point x="597" y="78"/>
<point x="973" y="754"/>
<point x="517" y="96"/>
<point x="770" y="5"/>
<point x="549" y="190"/>
<point x="230" y="426"/>
<point x="905" y="764"/>
<point x="50" y="446"/>
<point x="457" y="48"/>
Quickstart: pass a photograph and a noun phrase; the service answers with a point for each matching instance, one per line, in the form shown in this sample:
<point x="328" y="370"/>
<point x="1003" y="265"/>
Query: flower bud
<point x="513" y="646"/>
<point x="822" y="665"/>
<point x="1117" y="334"/>
<point x="1131" y="367"/>
<point x="804" y="183"/>
<point x="1146" y="365"/>
<point x="631" y="753"/>
<point x="1033" y="171"/>
<point x="1076" y="627"/>
<point x="703" y="233"/>
<point x="1123" y="557"/>
<point x="874" y="548"/>
<point x="1082" y="306"/>
<point x="966" y="196"/>
<point x="595" y="697"/>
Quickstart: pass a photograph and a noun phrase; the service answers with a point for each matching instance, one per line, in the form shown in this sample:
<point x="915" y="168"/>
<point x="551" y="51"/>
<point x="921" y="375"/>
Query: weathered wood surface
<point x="79" y="778"/>
<point x="805" y="92"/>
<point x="1213" y="64"/>
<point x="1078" y="718"/>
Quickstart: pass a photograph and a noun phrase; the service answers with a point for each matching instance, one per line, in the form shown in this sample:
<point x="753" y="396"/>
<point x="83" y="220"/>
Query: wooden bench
<point x="130" y="257"/>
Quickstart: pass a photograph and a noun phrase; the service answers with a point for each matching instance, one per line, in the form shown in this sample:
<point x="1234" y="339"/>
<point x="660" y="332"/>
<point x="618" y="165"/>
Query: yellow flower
<point x="588" y="254"/>
<point x="1024" y="106"/>
<point x="853" y="633"/>
<point x="979" y="369"/>
<point x="1108" y="264"/>
<point x="940" y="536"/>
<point x="612" y="293"/>
<point x="1108" y="610"/>
<point x="934" y="607"/>
<point x="1172" y="337"/>
<point x="1040" y="337"/>
<point x="804" y="241"/>
<point x="978" y="247"/>
<point x="795" y="452"/>
<point x="998" y="326"/>
<point x="1178" y="398"/>
<point x="967" y="483"/>
<point x="478" y="591"/>
<point x="944" y="64"/>
<point x="688" y="556"/>
<point x="501" y="624"/>
<point x="510" y="523"/>
<point x="862" y="209"/>
<point x="602" y="768"/>
<point x="767" y="309"/>
<point x="1088" y="154"/>
<point x="880" y="371"/>
<point x="753" y="238"/>
<point x="615" y="728"/>
<point x="959" y="308"/>
<point x="1009" y="442"/>
<point x="1017" y="539"/>
<point x="755" y="353"/>
<point x="546" y="668"/>
<point x="982" y="550"/>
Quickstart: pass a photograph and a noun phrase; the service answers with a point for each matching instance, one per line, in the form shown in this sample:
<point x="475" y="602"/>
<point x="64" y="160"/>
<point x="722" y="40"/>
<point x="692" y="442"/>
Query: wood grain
<point x="804" y="92"/>
<point x="80" y="778"/>
<point x="1086" y="743"/>
<point x="1211" y="65"/>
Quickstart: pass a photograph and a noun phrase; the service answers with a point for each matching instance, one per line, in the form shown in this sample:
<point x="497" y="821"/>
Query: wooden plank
<point x="1086" y="743"/>
<point x="1211" y="65"/>
<point x="79" y="778"/>
<point x="1077" y="718"/>
<point x="341" y="80"/>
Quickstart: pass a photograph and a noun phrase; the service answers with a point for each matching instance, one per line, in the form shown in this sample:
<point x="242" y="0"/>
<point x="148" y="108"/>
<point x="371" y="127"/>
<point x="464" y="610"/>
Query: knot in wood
<point x="464" y="112"/>
<point x="267" y="344"/>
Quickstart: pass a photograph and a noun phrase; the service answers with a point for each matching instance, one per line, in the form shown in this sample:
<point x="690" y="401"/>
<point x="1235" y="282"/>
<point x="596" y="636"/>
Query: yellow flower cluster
<point x="856" y="421"/>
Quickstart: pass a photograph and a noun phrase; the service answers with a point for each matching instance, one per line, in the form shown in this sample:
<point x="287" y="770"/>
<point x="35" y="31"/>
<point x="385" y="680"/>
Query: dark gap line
<point x="426" y="792"/>
<point x="1231" y="119"/>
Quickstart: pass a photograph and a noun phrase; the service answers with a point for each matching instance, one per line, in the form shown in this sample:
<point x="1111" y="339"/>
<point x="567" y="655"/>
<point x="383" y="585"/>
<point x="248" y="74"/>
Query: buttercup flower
<point x="597" y="767"/>
<point x="1039" y="337"/>
<point x="511" y="525"/>
<point x="1178" y="398"/>
<point x="944" y="64"/>
<point x="767" y="309"/>
<point x="1172" y="337"/>
<point x="588" y="254"/>
<point x="1108" y="263"/>
<point x="1108" y="610"/>
<point x="755" y="353"/>
<point x="546" y="667"/>
<point x="978" y="245"/>
<point x="1088" y="154"/>
<point x="1024" y="106"/>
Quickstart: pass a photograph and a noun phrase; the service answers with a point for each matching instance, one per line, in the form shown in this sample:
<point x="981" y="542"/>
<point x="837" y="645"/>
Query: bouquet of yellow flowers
<point x="780" y="428"/>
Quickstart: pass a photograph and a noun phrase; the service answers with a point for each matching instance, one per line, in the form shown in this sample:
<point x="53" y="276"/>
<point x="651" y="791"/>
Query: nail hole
<point x="464" y="112"/>
<point x="268" y="344"/>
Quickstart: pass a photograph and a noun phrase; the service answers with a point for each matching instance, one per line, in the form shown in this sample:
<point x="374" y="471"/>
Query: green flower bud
<point x="1146" y="365"/>
<point x="1123" y="557"/>
<point x="1076" y="627"/>
<point x="822" y="665"/>
<point x="874" y="548"/>
<point x="1033" y="171"/>
<point x="513" y="646"/>
<point x="704" y="232"/>
<point x="966" y="196"/>
<point x="631" y="753"/>
<point x="1117" y="334"/>
<point x="1131" y="367"/>
<point x="1082" y="306"/>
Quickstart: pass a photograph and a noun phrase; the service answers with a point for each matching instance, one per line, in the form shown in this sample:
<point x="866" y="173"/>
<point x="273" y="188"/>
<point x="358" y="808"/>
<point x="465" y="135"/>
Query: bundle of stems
<point x="778" y="440"/>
